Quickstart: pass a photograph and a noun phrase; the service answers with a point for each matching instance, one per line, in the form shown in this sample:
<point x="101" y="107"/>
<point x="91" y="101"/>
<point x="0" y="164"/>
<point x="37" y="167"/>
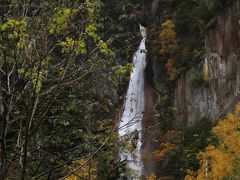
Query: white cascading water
<point x="130" y="126"/>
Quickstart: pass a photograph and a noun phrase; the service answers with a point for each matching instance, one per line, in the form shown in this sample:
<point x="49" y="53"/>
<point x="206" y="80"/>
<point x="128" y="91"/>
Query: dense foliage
<point x="220" y="160"/>
<point x="53" y="113"/>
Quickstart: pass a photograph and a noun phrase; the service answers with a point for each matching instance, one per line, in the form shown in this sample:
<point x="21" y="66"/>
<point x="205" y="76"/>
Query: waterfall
<point x="130" y="126"/>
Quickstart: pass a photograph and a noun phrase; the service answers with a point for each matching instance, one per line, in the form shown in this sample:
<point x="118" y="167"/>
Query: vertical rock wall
<point x="212" y="88"/>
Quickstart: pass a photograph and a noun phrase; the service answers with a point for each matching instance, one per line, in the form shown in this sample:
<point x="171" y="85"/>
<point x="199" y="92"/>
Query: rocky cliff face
<point x="213" y="87"/>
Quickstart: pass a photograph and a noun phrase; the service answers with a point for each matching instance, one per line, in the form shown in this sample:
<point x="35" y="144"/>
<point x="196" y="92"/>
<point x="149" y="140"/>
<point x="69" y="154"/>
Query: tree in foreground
<point x="51" y="114"/>
<point x="221" y="160"/>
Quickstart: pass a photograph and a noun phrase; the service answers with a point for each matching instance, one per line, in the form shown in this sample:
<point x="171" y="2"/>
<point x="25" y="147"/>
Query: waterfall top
<point x="143" y="31"/>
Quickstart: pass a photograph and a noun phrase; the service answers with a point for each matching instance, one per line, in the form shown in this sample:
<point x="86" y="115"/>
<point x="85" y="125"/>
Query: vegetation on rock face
<point x="177" y="36"/>
<point x="182" y="24"/>
<point x="176" y="44"/>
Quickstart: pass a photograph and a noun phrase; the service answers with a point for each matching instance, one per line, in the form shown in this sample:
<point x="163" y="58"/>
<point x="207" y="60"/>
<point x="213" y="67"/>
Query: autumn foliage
<point x="167" y="37"/>
<point x="171" y="144"/>
<point x="83" y="169"/>
<point x="222" y="160"/>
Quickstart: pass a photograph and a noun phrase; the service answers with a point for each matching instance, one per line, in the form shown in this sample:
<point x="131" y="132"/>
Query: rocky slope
<point x="212" y="88"/>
